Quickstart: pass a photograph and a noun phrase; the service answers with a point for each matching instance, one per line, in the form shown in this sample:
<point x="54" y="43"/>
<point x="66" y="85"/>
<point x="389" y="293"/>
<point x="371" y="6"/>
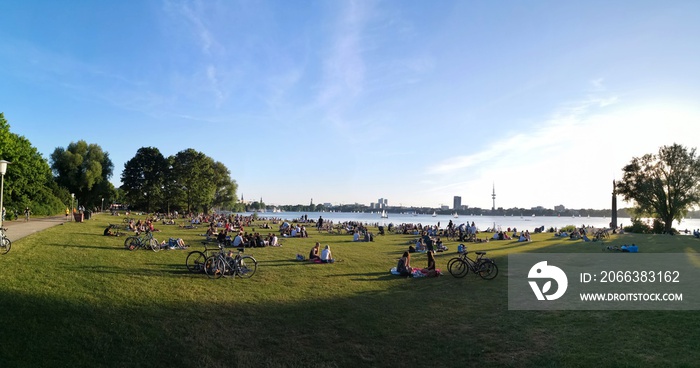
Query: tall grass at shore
<point x="72" y="297"/>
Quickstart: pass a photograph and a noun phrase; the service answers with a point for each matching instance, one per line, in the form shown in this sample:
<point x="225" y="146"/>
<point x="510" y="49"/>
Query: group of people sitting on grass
<point x="321" y="256"/>
<point x="362" y="236"/>
<point x="245" y="240"/>
<point x="141" y="226"/>
<point x="575" y="234"/>
<point x="523" y="236"/>
<point x="293" y="231"/>
<point x="404" y="268"/>
<point x="427" y="243"/>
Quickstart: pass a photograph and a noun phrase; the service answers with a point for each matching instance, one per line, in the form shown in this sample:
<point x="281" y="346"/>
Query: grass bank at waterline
<point x="72" y="297"/>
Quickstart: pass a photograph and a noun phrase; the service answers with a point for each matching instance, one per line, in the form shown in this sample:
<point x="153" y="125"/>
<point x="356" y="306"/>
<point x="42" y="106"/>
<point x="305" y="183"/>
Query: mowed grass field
<point x="72" y="297"/>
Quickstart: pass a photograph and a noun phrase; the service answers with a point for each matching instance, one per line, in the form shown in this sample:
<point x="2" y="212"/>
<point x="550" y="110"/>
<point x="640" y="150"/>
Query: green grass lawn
<point x="72" y="297"/>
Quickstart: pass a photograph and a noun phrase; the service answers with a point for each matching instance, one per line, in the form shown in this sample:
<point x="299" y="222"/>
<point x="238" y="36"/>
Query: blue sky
<point x="350" y="101"/>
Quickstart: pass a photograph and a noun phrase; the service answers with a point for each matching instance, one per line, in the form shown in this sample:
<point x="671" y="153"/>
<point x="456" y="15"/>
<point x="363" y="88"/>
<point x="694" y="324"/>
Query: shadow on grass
<point x="104" y="247"/>
<point x="370" y="327"/>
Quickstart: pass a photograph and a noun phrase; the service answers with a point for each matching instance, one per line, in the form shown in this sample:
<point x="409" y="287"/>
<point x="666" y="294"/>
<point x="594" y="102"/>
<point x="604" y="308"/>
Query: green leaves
<point x="189" y="180"/>
<point x="83" y="169"/>
<point x="28" y="177"/>
<point x="664" y="185"/>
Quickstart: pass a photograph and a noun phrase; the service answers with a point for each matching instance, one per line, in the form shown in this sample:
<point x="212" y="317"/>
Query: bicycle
<point x="484" y="267"/>
<point x="146" y="241"/>
<point x="222" y="264"/>
<point x="195" y="259"/>
<point x="6" y="244"/>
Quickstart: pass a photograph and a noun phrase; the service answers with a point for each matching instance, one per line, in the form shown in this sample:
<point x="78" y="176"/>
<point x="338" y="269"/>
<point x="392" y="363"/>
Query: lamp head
<point x="3" y="166"/>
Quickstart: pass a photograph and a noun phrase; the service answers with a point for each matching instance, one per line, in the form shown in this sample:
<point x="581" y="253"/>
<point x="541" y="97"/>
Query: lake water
<point x="481" y="222"/>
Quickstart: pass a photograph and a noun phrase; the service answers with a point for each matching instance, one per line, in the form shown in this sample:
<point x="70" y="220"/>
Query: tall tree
<point x="664" y="185"/>
<point x="193" y="176"/>
<point x="81" y="167"/>
<point x="225" y="191"/>
<point x="28" y="181"/>
<point x="143" y="178"/>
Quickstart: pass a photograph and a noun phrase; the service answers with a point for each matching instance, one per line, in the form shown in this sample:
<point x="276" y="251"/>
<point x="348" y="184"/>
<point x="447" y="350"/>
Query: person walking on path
<point x="26" y="213"/>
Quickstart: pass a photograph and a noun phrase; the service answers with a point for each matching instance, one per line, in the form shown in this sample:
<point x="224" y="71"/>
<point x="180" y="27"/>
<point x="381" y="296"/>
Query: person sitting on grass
<point x="430" y="270"/>
<point x="420" y="247"/>
<point x="314" y="253"/>
<point x="221" y="237"/>
<point x="274" y="241"/>
<point x="108" y="231"/>
<point x="238" y="240"/>
<point x="326" y="255"/>
<point x="439" y="246"/>
<point x="404" y="266"/>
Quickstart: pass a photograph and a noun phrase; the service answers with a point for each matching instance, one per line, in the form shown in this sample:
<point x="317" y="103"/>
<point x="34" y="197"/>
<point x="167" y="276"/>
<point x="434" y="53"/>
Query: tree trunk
<point x="668" y="225"/>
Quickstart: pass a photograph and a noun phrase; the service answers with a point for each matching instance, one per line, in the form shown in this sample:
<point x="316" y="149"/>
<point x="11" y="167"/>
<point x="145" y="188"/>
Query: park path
<point x="18" y="229"/>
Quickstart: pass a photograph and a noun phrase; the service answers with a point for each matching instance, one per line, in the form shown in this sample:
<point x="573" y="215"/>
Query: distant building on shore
<point x="457" y="203"/>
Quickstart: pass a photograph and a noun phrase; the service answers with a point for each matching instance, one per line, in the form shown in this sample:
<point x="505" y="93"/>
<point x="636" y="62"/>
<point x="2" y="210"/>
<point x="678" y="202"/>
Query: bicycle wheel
<point x="452" y="261"/>
<point x="458" y="267"/>
<point x="5" y="245"/>
<point x="195" y="261"/>
<point x="246" y="267"/>
<point x="487" y="269"/>
<point x="132" y="243"/>
<point x="214" y="267"/>
<point x="153" y="244"/>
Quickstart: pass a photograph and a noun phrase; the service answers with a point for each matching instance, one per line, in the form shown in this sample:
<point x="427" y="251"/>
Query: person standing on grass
<point x="26" y="213"/>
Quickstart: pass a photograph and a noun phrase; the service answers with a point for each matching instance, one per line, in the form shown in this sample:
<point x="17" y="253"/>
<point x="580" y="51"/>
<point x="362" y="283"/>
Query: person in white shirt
<point x="238" y="240"/>
<point x="326" y="255"/>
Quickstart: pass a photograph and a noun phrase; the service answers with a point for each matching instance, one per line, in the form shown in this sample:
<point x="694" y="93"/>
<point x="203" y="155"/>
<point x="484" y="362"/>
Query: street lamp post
<point x="3" y="169"/>
<point x="103" y="205"/>
<point x="72" y="212"/>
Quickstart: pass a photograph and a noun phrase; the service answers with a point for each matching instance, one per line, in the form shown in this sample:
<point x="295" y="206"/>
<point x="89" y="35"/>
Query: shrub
<point x="638" y="226"/>
<point x="568" y="228"/>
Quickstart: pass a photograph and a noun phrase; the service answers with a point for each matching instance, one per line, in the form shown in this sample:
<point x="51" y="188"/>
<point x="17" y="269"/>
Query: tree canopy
<point x="83" y="169"/>
<point x="28" y="180"/>
<point x="664" y="185"/>
<point x="188" y="180"/>
<point x="143" y="178"/>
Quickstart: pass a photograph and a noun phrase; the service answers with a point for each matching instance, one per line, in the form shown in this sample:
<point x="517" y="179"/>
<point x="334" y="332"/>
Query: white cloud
<point x="344" y="66"/>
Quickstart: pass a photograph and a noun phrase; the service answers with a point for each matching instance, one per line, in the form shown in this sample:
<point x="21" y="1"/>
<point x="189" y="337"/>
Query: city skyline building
<point x="457" y="202"/>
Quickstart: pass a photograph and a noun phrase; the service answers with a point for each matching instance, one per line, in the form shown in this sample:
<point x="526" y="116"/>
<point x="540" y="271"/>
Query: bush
<point x="568" y="228"/>
<point x="638" y="226"/>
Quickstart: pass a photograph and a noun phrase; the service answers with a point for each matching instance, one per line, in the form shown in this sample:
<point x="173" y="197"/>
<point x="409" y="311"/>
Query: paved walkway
<point x="18" y="229"/>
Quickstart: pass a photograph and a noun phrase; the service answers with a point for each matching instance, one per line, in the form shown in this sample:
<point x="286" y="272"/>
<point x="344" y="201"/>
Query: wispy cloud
<point x="517" y="148"/>
<point x="192" y="13"/>
<point x="344" y="66"/>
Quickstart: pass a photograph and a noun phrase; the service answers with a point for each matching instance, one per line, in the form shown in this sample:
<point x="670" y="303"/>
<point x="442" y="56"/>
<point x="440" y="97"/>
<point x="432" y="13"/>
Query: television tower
<point x="493" y="196"/>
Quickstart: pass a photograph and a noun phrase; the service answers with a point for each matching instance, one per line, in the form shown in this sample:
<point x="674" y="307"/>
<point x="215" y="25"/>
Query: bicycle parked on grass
<point x="226" y="264"/>
<point x="146" y="241"/>
<point x="484" y="267"/>
<point x="196" y="259"/>
<point x="5" y="244"/>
